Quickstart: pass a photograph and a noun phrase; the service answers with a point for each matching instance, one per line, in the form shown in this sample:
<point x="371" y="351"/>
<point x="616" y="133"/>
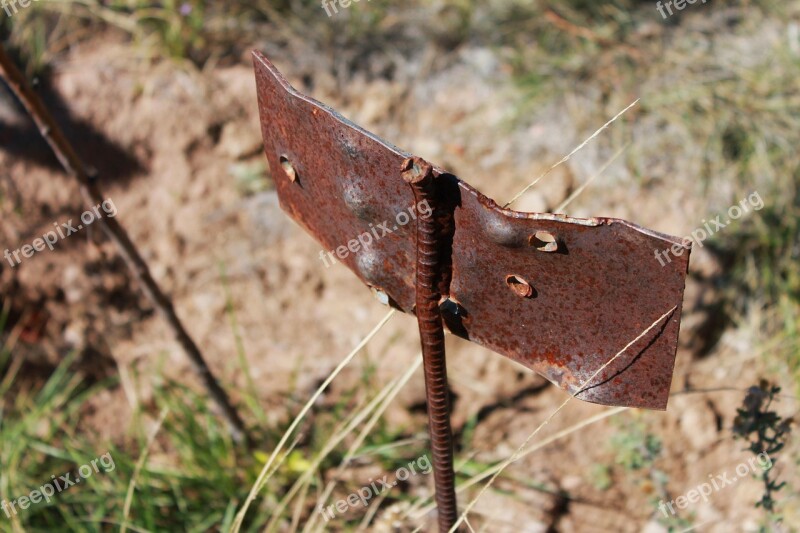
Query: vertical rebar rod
<point x="419" y="174"/>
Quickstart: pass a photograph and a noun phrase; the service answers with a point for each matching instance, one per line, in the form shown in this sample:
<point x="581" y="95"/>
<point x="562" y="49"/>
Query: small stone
<point x="239" y="141"/>
<point x="654" y="527"/>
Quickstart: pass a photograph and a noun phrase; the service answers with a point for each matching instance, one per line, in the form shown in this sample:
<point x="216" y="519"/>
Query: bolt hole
<point x="288" y="168"/>
<point x="380" y="295"/>
<point x="520" y="286"/>
<point x="544" y="241"/>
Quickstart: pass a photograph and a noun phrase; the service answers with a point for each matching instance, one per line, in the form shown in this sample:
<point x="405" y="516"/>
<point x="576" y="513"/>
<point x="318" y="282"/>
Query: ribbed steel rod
<point x="419" y="174"/>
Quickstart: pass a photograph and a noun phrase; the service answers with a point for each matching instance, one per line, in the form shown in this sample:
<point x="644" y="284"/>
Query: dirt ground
<point x="190" y="138"/>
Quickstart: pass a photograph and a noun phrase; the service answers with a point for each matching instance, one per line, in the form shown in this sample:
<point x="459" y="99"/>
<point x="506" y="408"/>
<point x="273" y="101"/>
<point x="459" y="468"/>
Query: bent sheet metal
<point x="559" y="295"/>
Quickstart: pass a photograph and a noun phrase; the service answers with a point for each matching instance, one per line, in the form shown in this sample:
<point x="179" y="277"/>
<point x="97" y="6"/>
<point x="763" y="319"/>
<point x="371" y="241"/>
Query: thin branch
<point x="91" y="193"/>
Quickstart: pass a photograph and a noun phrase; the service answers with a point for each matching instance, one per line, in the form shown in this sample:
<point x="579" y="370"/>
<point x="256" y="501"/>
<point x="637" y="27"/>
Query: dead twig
<point x="91" y="193"/>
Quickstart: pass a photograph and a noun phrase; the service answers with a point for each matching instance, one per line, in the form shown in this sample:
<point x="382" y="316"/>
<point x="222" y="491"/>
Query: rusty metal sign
<point x="559" y="295"/>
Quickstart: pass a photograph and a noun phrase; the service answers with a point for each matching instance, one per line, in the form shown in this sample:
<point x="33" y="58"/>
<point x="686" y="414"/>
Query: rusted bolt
<point x="519" y="285"/>
<point x="544" y="241"/>
<point x="451" y="306"/>
<point x="288" y="168"/>
<point x="415" y="170"/>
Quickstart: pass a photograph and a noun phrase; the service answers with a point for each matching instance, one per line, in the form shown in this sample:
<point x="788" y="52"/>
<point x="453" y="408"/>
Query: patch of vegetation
<point x="634" y="446"/>
<point x="600" y="476"/>
<point x="760" y="276"/>
<point x="766" y="432"/>
<point x="637" y="450"/>
<point x="195" y="477"/>
<point x="197" y="487"/>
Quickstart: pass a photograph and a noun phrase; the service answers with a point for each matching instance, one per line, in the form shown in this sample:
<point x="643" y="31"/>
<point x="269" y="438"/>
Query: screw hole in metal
<point x="520" y="286"/>
<point x="380" y="295"/>
<point x="544" y="241"/>
<point x="288" y="168"/>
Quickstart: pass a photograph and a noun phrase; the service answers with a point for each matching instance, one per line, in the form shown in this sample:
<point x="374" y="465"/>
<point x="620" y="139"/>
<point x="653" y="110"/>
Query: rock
<point x="654" y="527"/>
<point x="698" y="423"/>
<point x="239" y="141"/>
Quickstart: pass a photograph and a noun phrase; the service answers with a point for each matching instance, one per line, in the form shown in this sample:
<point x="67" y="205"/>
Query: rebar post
<point x="429" y="271"/>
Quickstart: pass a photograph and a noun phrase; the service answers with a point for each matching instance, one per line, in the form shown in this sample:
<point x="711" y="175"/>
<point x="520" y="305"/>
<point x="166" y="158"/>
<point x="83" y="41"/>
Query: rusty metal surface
<point x="559" y="295"/>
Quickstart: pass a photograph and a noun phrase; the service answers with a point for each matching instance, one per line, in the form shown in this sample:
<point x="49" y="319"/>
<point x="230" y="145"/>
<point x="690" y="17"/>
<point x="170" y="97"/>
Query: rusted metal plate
<point x="591" y="296"/>
<point x="347" y="183"/>
<point x="560" y="295"/>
